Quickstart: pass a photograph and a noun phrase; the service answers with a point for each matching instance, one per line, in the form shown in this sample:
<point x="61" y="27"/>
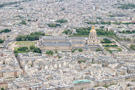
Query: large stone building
<point x="55" y="43"/>
<point x="93" y="40"/>
<point x="40" y="61"/>
<point x="3" y="85"/>
<point x="69" y="43"/>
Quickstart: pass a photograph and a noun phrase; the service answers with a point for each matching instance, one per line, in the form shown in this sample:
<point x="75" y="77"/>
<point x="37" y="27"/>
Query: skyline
<point x="67" y="44"/>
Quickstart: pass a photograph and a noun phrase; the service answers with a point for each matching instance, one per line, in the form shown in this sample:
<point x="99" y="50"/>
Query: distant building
<point x="3" y="85"/>
<point x="68" y="43"/>
<point x="93" y="37"/>
<point x="55" y="43"/>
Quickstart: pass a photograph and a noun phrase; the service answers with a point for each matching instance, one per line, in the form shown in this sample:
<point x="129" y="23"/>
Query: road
<point x="117" y="43"/>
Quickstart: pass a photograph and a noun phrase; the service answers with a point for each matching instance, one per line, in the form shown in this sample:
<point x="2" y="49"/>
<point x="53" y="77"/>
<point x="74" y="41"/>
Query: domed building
<point x="69" y="43"/>
<point x="93" y="40"/>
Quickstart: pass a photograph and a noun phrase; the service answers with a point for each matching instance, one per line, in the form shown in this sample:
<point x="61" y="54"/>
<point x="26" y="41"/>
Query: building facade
<point x="68" y="43"/>
<point x="93" y="40"/>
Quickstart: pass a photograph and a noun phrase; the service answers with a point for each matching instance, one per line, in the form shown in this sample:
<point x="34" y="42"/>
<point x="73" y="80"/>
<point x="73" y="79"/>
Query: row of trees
<point x="125" y="39"/>
<point x="127" y="6"/>
<point x="61" y="21"/>
<point x="49" y="52"/>
<point x="105" y="40"/>
<point x="98" y="49"/>
<point x="32" y="37"/>
<point x="109" y="23"/>
<point x="54" y="25"/>
<point x="82" y="31"/>
<point x="105" y="33"/>
<point x="5" y="31"/>
<point x="80" y="50"/>
<point x="99" y="23"/>
<point x="1" y="41"/>
<point x="119" y="23"/>
<point x="132" y="47"/>
<point x="11" y="3"/>
<point x="81" y="61"/>
<point x="53" y="52"/>
<point x="23" y="22"/>
<point x="86" y="31"/>
<point x="110" y="45"/>
<point x="67" y="32"/>
<point x="27" y="49"/>
<point x="2" y="89"/>
<point x="127" y="32"/>
<point x="57" y="23"/>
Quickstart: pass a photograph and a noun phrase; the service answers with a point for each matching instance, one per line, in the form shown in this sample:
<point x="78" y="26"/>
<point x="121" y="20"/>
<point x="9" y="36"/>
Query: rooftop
<point x="81" y="81"/>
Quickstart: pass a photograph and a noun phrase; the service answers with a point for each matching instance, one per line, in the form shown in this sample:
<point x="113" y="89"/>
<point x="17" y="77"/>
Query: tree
<point x="1" y="41"/>
<point x="38" y="33"/>
<point x="37" y="50"/>
<point x="56" y="51"/>
<point x="74" y="50"/>
<point x="59" y="57"/>
<point x="61" y="21"/>
<point x="49" y="52"/>
<point x="23" y="49"/>
<point x="32" y="37"/>
<point x="23" y="22"/>
<point x="105" y="40"/>
<point x="2" y="89"/>
<point x="5" y="31"/>
<point x="67" y="32"/>
<point x="127" y="6"/>
<point x="98" y="50"/>
<point x="81" y="61"/>
<point x="86" y="31"/>
<point x="132" y="47"/>
<point x="54" y="25"/>
<point x="80" y="50"/>
<point x="27" y="49"/>
<point x="32" y="48"/>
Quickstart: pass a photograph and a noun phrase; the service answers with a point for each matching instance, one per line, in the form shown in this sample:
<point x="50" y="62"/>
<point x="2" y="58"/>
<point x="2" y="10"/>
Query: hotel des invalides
<point x="65" y="43"/>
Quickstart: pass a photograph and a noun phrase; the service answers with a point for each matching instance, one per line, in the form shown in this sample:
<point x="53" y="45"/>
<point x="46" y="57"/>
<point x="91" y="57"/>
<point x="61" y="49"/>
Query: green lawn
<point x="115" y="49"/>
<point x="26" y="43"/>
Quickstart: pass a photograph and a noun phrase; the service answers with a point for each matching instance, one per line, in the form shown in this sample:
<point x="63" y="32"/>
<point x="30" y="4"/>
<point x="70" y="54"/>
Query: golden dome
<point x="93" y="29"/>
